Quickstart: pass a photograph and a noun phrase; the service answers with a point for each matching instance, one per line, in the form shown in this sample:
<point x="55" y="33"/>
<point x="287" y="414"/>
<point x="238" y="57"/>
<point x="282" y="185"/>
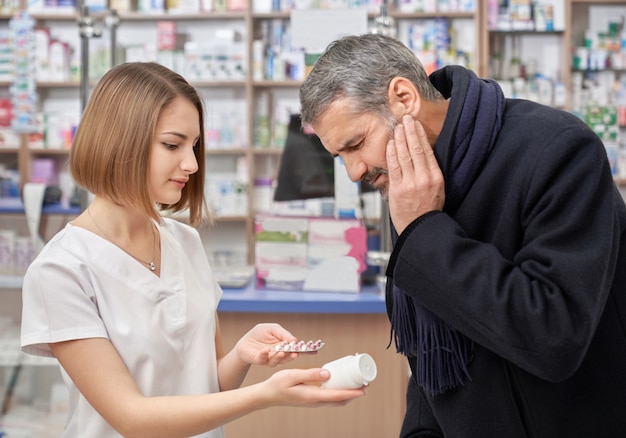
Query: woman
<point x="125" y="299"/>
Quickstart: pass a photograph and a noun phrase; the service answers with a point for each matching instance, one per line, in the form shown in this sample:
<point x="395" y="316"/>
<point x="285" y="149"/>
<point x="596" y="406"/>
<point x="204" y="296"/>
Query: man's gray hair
<point x="360" y="68"/>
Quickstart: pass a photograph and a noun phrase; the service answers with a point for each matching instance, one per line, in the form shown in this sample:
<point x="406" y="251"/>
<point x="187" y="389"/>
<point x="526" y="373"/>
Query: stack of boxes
<point x="310" y="254"/>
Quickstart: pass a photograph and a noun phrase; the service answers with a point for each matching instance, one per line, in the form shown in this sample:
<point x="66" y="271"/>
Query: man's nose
<point x="356" y="168"/>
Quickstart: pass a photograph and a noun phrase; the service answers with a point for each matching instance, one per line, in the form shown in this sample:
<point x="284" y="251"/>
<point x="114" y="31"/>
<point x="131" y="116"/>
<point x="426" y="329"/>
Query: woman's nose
<point x="190" y="162"/>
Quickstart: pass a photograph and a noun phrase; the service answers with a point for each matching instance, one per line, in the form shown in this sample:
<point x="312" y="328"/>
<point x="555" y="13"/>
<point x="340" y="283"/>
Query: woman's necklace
<point x="149" y="264"/>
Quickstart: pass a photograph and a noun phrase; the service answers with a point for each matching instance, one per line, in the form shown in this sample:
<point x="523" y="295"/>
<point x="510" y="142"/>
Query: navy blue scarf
<point x="472" y="123"/>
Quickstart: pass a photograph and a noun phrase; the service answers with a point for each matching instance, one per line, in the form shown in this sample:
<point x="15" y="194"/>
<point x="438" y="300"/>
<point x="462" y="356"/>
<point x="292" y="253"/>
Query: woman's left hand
<point x="257" y="347"/>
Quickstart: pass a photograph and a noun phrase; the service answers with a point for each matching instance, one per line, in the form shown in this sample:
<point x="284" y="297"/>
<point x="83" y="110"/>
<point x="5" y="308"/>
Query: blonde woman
<point x="125" y="299"/>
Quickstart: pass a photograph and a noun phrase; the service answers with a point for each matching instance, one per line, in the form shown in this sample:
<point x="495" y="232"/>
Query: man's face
<point x="360" y="140"/>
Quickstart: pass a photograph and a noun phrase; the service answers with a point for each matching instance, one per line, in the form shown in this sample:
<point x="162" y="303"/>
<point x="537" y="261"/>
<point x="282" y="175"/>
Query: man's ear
<point x="403" y="97"/>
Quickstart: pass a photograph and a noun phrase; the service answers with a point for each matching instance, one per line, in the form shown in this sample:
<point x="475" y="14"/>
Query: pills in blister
<point x="299" y="346"/>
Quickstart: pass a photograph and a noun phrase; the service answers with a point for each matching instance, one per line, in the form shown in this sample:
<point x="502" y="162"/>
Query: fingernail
<point x="324" y="374"/>
<point x="407" y="119"/>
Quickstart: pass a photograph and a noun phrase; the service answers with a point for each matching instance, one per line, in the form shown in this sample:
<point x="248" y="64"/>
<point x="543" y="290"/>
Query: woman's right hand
<point x="301" y="387"/>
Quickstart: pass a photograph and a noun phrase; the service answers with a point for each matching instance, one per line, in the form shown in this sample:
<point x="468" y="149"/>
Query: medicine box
<point x="309" y="254"/>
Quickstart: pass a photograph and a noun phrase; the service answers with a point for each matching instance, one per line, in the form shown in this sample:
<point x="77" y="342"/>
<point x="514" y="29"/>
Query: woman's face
<point x="172" y="158"/>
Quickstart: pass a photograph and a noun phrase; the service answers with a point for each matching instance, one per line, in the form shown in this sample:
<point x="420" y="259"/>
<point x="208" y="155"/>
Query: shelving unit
<point x="464" y="30"/>
<point x="553" y="49"/>
<point x="477" y="39"/>
<point x="22" y="154"/>
<point x="238" y="230"/>
<point x="578" y="17"/>
<point x="595" y="15"/>
<point x="261" y="161"/>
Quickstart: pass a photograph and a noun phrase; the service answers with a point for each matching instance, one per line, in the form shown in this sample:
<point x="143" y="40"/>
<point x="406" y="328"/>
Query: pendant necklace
<point x="151" y="265"/>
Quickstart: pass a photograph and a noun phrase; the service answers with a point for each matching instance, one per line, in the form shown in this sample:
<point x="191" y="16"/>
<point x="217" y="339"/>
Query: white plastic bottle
<point x="354" y="371"/>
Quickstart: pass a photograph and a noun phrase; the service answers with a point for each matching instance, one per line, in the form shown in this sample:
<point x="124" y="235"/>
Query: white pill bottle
<point x="353" y="371"/>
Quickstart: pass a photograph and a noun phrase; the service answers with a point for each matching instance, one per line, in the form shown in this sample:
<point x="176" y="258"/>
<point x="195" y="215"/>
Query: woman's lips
<point x="180" y="183"/>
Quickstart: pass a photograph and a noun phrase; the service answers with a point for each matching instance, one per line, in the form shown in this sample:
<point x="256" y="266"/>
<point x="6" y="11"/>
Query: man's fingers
<point x="394" y="171"/>
<point x="409" y="154"/>
<point x="425" y="150"/>
<point x="405" y="160"/>
<point x="416" y="138"/>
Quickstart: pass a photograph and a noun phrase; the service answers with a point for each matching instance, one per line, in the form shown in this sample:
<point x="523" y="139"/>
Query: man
<point x="507" y="282"/>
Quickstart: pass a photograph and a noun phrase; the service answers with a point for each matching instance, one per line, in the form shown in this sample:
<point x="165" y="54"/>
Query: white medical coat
<point x="83" y="286"/>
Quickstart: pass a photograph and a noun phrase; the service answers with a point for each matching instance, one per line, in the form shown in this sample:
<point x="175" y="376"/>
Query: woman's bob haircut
<point x="111" y="149"/>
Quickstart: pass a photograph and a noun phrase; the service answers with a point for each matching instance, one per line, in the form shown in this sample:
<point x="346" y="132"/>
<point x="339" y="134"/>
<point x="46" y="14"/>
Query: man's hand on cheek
<point x="416" y="184"/>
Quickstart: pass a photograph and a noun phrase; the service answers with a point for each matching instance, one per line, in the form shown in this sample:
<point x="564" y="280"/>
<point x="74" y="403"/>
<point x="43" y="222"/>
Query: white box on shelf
<point x="310" y="254"/>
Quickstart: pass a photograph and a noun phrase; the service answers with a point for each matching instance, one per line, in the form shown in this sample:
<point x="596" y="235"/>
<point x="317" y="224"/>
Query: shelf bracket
<point x="87" y="30"/>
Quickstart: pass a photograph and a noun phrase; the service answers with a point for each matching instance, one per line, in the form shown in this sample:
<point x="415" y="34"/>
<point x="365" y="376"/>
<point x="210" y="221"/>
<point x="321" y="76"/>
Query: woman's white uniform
<point x="83" y="286"/>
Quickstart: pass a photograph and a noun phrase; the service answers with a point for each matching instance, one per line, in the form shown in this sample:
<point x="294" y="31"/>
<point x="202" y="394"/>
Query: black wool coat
<point x="532" y="268"/>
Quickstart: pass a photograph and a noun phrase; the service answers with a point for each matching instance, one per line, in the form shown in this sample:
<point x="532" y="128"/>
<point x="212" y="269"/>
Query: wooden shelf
<point x="181" y="16"/>
<point x="230" y="218"/>
<point x="49" y="152"/>
<point x="526" y="32"/>
<point x="267" y="151"/>
<point x="57" y="84"/>
<point x="271" y="15"/>
<point x="428" y="15"/>
<point x="219" y="84"/>
<point x="598" y="2"/>
<point x="10" y="150"/>
<point x="226" y="151"/>
<point x="277" y="84"/>
<point x="139" y="16"/>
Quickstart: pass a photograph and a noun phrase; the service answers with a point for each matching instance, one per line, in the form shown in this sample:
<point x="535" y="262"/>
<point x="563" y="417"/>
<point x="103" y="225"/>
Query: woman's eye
<point x="170" y="146"/>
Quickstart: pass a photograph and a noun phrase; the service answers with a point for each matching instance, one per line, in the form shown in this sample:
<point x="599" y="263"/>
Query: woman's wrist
<point x="232" y="370"/>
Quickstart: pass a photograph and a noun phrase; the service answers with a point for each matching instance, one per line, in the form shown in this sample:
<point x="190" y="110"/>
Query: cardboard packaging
<point x="310" y="254"/>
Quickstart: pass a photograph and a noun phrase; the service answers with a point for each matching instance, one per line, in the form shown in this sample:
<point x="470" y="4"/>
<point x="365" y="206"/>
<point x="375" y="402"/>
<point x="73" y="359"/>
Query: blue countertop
<point x="15" y="206"/>
<point x="250" y="299"/>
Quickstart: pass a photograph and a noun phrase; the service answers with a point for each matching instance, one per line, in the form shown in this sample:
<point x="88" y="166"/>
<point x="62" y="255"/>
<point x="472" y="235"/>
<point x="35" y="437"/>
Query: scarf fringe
<point x="443" y="354"/>
<point x="403" y="324"/>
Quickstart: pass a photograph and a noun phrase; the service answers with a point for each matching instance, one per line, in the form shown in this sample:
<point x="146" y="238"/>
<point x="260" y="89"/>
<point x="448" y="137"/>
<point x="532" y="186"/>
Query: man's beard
<point x="381" y="187"/>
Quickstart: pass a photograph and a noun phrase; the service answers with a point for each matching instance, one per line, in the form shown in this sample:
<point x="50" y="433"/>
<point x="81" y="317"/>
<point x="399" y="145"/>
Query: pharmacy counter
<point x="347" y="323"/>
<point x="250" y="299"/>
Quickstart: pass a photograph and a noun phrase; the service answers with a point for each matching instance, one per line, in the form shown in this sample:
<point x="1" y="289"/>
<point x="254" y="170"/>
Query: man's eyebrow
<point x="348" y="143"/>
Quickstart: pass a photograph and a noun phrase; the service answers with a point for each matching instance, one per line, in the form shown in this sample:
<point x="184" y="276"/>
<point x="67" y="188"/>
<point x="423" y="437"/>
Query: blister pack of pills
<point x="299" y="346"/>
